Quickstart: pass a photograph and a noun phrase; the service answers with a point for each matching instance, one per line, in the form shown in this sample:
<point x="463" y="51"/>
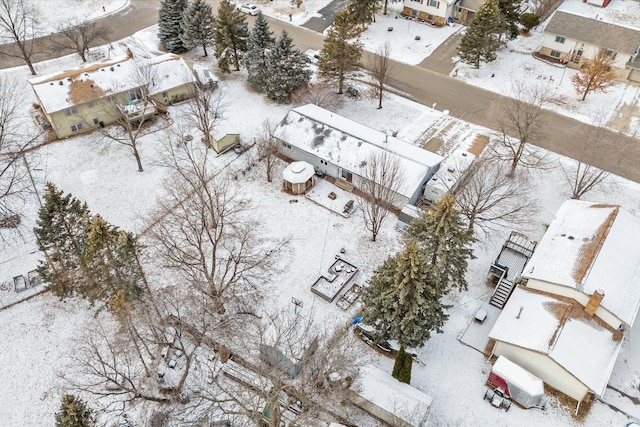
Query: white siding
<point x="544" y="368"/>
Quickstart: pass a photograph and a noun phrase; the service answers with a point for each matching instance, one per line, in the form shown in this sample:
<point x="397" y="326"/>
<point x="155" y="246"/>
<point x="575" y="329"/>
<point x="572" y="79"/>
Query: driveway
<point x="328" y="14"/>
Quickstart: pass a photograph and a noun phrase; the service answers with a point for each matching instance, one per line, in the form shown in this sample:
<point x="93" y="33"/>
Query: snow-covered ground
<point x="36" y="334"/>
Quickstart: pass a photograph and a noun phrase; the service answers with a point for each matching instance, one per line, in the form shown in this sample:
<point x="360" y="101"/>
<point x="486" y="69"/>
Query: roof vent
<point x="111" y="68"/>
<point x="118" y="65"/>
<point x="451" y="170"/>
<point x="51" y="83"/>
<point x="60" y="82"/>
<point x="86" y="74"/>
<point x="570" y="237"/>
<point x="464" y="154"/>
<point x="101" y="69"/>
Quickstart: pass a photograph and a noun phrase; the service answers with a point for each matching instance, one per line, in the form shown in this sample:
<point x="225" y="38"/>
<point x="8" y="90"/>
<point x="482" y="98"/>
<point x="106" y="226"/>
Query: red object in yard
<point x="498" y="383"/>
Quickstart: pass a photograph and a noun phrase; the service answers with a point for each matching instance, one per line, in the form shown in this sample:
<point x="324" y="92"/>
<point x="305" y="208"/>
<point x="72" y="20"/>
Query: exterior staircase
<point x="501" y="293"/>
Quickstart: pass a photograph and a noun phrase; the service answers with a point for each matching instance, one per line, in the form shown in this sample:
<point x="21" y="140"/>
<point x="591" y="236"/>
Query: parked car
<point x="249" y="8"/>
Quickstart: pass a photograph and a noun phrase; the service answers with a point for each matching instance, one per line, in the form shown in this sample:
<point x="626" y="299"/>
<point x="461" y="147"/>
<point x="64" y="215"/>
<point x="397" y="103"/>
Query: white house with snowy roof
<point x="339" y="148"/>
<point x="582" y="293"/>
<point x="87" y="97"/>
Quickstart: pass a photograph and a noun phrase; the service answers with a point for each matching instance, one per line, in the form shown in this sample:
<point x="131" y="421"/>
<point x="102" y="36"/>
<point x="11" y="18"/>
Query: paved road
<point x="470" y="103"/>
<point x="328" y="14"/>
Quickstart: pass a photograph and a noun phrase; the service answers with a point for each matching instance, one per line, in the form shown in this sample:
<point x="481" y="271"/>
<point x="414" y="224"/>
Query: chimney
<point x="594" y="302"/>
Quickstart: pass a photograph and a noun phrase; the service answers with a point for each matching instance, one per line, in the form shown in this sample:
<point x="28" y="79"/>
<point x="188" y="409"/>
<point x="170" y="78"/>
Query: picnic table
<point x="349" y="297"/>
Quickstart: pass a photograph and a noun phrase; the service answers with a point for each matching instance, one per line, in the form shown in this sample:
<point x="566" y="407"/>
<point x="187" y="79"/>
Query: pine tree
<point x="594" y="75"/>
<point x="197" y="26"/>
<point x="403" y="298"/>
<point x="261" y="40"/>
<point x="74" y="412"/>
<point x="480" y="42"/>
<point x="445" y="241"/>
<point x="509" y="17"/>
<point x="111" y="253"/>
<point x="60" y="231"/>
<point x="288" y="70"/>
<point x="404" y="376"/>
<point x="399" y="363"/>
<point x="341" y="51"/>
<point x="230" y="33"/>
<point x="363" y="11"/>
<point x="169" y="25"/>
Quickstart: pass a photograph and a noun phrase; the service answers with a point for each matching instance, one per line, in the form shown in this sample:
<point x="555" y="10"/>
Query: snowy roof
<point x="558" y="327"/>
<point x="591" y="246"/>
<point x="405" y="402"/>
<point x="96" y="80"/>
<point x="594" y="31"/>
<point x="518" y="376"/>
<point x="348" y="144"/>
<point x="298" y="172"/>
<point x="204" y="74"/>
<point x="169" y="71"/>
<point x="452" y="168"/>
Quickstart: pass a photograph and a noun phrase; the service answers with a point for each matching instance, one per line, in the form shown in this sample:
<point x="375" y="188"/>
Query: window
<point x="77" y="127"/>
<point x="284" y="144"/>
<point x="164" y="94"/>
<point x="555" y="54"/>
<point x="434" y="3"/>
<point x="135" y="94"/>
<point x="111" y="98"/>
<point x="91" y="104"/>
<point x="71" y="110"/>
<point x="348" y="176"/>
<point x="610" y="54"/>
<point x="560" y="39"/>
<point x="415" y="13"/>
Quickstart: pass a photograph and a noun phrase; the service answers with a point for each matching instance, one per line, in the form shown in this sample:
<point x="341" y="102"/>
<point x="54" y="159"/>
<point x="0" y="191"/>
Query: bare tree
<point x="204" y="110"/>
<point x="380" y="71"/>
<point x="581" y="176"/>
<point x="80" y="35"/>
<point x="520" y="123"/>
<point x="131" y="118"/>
<point x="203" y="232"/>
<point x="381" y="177"/>
<point x="267" y="145"/>
<point x="265" y="388"/>
<point x="16" y="181"/>
<point x="490" y="200"/>
<point x="320" y="94"/>
<point x="19" y="22"/>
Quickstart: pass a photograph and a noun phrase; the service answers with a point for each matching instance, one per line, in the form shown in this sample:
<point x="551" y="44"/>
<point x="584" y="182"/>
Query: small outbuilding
<point x="386" y="398"/>
<point x="516" y="382"/>
<point x="298" y="177"/>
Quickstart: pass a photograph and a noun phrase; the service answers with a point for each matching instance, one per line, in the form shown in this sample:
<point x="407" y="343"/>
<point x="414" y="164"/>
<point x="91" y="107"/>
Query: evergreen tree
<point x="363" y="11"/>
<point x="529" y="20"/>
<point x="230" y="33"/>
<point x="403" y="298"/>
<point x="509" y="17"/>
<point x="112" y="254"/>
<point x="480" y="42"/>
<point x="261" y="41"/>
<point x="60" y="231"/>
<point x="197" y="26"/>
<point x="288" y="70"/>
<point x="445" y="241"/>
<point x="74" y="412"/>
<point x="404" y="375"/>
<point x="399" y="363"/>
<point x="169" y="25"/>
<point x="341" y="50"/>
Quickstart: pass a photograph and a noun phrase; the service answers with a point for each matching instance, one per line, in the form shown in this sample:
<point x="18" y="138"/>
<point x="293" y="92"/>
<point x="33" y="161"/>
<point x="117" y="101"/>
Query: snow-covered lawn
<point x="37" y="333"/>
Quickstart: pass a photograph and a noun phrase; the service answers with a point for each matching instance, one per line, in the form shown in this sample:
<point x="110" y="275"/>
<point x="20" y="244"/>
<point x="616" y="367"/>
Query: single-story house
<point x="94" y="95"/>
<point x="386" y="398"/>
<point x="582" y="294"/>
<point x="573" y="38"/>
<point x="339" y="148"/>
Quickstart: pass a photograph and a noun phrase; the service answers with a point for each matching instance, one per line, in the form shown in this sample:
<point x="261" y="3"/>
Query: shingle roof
<point x="595" y="32"/>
